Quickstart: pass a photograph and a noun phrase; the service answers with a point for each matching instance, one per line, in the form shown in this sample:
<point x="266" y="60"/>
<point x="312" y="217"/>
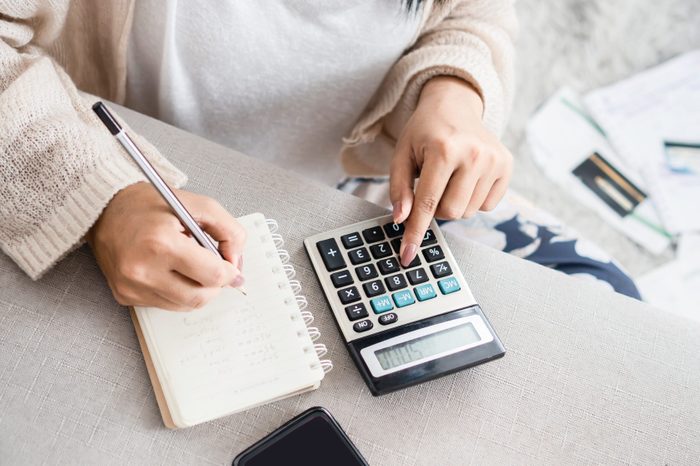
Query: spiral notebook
<point x="238" y="351"/>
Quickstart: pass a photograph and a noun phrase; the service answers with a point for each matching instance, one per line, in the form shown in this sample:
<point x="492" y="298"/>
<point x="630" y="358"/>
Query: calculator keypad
<point x="342" y="278"/>
<point x="374" y="288"/>
<point x="366" y="272"/>
<point x="374" y="234"/>
<point x="331" y="255"/>
<point x="356" y="311"/>
<point x="351" y="240"/>
<point x="349" y="295"/>
<point x="359" y="256"/>
<point x="380" y="250"/>
<point x="387" y="266"/>
<point x="382" y="283"/>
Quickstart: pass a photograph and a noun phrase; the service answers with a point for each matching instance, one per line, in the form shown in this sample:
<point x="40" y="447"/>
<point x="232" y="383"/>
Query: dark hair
<point x="414" y="5"/>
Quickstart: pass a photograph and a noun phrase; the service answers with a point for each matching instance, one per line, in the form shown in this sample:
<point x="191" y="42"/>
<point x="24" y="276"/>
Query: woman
<point x="420" y="88"/>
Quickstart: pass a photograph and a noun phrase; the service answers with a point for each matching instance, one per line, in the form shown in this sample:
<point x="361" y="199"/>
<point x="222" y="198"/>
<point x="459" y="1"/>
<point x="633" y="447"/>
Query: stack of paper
<point x="573" y="151"/>
<point x="631" y="151"/>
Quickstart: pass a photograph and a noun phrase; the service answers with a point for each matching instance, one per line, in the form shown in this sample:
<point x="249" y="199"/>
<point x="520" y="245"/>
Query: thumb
<point x="401" y="179"/>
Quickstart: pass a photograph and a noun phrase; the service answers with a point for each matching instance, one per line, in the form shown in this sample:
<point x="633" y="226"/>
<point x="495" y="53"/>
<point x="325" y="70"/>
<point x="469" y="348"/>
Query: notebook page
<point x="238" y="351"/>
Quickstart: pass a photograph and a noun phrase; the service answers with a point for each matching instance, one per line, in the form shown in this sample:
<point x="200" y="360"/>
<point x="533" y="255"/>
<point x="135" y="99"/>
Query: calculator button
<point x="428" y="239"/>
<point x="424" y="292"/>
<point x="342" y="278"/>
<point x="414" y="263"/>
<point x="380" y="250"/>
<point x="396" y="244"/>
<point x="389" y="265"/>
<point x="433" y="253"/>
<point x="393" y="229"/>
<point x="389" y="318"/>
<point x="449" y="285"/>
<point x="374" y="288"/>
<point x="365" y="272"/>
<point x="356" y="311"/>
<point x="351" y="240"/>
<point x="403" y="298"/>
<point x="362" y="326"/>
<point x="349" y="295"/>
<point x="441" y="269"/>
<point x="358" y="256"/>
<point x="417" y="276"/>
<point x="374" y="234"/>
<point x="395" y="282"/>
<point x="381" y="304"/>
<point x="331" y="255"/>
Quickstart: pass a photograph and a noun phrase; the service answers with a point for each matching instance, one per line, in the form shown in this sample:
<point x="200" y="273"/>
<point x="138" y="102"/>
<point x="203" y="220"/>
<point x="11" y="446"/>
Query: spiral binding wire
<point x="290" y="272"/>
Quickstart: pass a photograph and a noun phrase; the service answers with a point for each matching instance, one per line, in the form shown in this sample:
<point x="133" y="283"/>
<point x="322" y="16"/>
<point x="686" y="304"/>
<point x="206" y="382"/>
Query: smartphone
<point x="312" y="438"/>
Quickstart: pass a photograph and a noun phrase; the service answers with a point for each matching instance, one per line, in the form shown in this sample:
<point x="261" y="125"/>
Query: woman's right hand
<point x="148" y="258"/>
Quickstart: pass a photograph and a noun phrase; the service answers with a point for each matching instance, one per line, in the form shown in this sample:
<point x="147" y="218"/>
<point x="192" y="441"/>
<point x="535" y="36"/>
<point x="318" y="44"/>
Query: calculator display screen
<point x="426" y="346"/>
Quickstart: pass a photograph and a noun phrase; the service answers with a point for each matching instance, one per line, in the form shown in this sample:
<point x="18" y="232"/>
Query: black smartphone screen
<point x="312" y="438"/>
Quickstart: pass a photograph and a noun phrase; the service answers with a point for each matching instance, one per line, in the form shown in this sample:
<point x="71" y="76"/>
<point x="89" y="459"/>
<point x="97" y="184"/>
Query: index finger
<point x="225" y="229"/>
<point x="200" y="265"/>
<point x="431" y="185"/>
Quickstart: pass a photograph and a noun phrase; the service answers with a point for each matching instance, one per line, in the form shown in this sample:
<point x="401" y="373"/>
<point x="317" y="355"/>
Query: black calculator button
<point x="414" y="263"/>
<point x="441" y="269"/>
<point x="417" y="276"/>
<point x="365" y="272"/>
<point x="358" y="256"/>
<point x="393" y="229"/>
<point x="396" y="244"/>
<point x="362" y="326"/>
<point x="331" y="255"/>
<point x="380" y="250"/>
<point x="428" y="239"/>
<point x="356" y="311"/>
<point x="395" y="282"/>
<point x="342" y="278"/>
<point x="433" y="253"/>
<point x="374" y="288"/>
<point x="388" y="265"/>
<point x="349" y="295"/>
<point x="351" y="240"/>
<point x="374" y="234"/>
<point x="388" y="318"/>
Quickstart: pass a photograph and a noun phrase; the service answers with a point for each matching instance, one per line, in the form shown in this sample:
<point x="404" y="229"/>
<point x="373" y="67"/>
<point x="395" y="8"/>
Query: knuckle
<point x="442" y="148"/>
<point x="132" y="271"/>
<point x="121" y="294"/>
<point x="450" y="212"/>
<point x="157" y="245"/>
<point x="427" y="204"/>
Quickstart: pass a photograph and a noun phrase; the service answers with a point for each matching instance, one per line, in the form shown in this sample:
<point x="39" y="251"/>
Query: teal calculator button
<point x="403" y="298"/>
<point x="425" y="292"/>
<point x="449" y="285"/>
<point x="381" y="304"/>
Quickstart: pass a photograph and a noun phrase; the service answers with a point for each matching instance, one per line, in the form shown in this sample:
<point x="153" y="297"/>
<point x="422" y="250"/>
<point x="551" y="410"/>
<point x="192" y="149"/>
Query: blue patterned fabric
<point x="519" y="228"/>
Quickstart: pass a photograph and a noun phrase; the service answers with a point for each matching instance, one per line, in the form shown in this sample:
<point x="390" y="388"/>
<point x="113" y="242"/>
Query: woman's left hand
<point x="463" y="167"/>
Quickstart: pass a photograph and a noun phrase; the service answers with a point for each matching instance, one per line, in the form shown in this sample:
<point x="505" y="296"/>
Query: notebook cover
<point x="157" y="389"/>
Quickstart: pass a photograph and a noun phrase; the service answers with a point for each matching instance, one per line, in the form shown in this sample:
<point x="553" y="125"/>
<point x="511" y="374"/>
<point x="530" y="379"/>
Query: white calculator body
<point x="402" y="325"/>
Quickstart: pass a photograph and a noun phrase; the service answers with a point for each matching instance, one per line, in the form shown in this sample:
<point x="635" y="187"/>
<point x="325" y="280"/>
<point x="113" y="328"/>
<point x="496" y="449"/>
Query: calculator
<point x="401" y="325"/>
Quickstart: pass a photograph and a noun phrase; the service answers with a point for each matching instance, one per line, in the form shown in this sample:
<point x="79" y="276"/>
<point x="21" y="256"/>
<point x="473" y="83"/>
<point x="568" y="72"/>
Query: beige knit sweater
<point x="59" y="167"/>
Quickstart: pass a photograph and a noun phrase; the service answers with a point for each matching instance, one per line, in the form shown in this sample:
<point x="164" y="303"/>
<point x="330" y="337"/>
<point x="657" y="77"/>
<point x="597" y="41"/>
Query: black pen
<point x="156" y="180"/>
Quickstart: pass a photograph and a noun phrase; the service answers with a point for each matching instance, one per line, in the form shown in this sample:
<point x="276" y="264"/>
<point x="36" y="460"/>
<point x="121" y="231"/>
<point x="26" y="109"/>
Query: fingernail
<point x="398" y="214"/>
<point x="236" y="261"/>
<point x="408" y="253"/>
<point x="238" y="281"/>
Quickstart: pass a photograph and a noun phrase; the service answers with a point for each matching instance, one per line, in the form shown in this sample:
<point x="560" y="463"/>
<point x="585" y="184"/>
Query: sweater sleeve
<point x="58" y="166"/>
<point x="469" y="39"/>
